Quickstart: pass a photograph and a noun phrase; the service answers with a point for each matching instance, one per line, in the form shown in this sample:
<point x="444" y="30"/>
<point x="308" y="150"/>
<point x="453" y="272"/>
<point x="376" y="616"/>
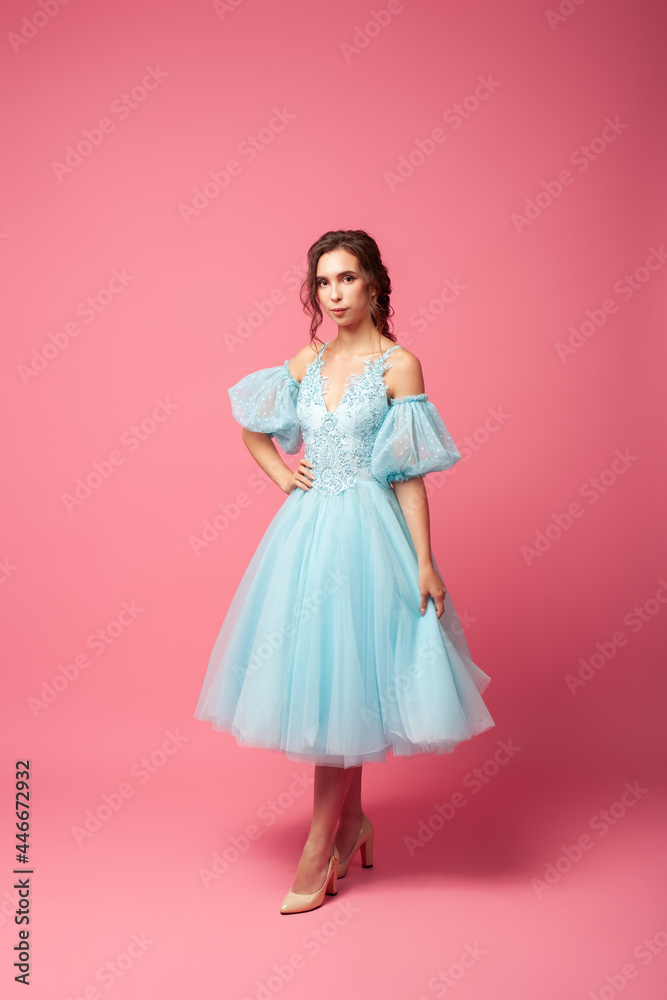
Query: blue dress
<point x="323" y="653"/>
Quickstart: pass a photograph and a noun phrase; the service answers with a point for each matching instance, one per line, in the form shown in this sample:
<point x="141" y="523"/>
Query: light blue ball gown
<point x="323" y="653"/>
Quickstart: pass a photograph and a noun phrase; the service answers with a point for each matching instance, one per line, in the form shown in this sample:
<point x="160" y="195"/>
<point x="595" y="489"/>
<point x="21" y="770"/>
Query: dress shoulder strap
<point x="387" y="353"/>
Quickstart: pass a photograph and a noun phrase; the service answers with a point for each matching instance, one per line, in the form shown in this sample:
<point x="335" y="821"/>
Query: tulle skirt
<point x="323" y="653"/>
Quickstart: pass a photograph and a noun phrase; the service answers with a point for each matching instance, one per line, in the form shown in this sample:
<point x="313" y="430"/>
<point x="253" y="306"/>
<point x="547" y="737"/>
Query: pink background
<point x="165" y="332"/>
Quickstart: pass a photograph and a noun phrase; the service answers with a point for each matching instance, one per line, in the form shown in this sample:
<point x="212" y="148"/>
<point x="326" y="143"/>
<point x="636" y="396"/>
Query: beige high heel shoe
<point x="364" y="843"/>
<point x="299" y="902"/>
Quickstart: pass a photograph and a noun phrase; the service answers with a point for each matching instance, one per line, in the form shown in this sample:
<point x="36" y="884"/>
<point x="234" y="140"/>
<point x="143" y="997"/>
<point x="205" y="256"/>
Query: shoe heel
<point x="366" y="851"/>
<point x="332" y="888"/>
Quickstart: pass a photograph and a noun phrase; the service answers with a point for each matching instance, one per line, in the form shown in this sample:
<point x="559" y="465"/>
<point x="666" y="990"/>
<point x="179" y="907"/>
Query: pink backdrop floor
<point x="166" y="168"/>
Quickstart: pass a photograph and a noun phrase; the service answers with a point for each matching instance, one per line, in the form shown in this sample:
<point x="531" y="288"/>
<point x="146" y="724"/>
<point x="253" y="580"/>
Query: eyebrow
<point x="341" y="274"/>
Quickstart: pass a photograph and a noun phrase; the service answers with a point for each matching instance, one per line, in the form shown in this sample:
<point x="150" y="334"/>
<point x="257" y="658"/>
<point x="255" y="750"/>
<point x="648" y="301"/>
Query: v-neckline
<point x="348" y="380"/>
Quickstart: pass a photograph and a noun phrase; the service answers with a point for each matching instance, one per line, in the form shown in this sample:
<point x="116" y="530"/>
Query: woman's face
<point x="342" y="292"/>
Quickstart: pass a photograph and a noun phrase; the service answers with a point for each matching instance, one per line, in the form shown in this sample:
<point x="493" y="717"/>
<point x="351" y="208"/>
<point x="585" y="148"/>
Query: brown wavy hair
<point x="371" y="267"/>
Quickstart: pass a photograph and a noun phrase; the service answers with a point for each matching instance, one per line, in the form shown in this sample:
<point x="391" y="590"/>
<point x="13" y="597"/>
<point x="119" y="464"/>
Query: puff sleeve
<point x="265" y="401"/>
<point x="412" y="441"/>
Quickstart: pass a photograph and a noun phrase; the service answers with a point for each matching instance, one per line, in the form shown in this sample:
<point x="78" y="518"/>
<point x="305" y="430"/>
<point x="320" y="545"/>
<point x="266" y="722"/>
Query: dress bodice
<point x="339" y="443"/>
<point x="367" y="438"/>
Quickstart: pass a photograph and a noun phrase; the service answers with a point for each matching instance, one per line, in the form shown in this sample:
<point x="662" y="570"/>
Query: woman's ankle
<point x="351" y="817"/>
<point x="317" y="845"/>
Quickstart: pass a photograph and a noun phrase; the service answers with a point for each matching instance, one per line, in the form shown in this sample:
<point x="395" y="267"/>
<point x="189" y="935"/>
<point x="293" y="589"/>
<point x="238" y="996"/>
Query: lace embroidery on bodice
<point x="339" y="443"/>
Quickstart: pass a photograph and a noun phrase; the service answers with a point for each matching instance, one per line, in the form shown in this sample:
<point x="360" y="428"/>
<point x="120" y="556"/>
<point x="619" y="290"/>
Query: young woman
<point x="341" y="641"/>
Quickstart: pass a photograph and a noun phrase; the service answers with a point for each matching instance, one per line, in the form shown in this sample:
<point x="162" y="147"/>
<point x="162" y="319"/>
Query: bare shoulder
<point x="405" y="361"/>
<point x="302" y="359"/>
<point x="405" y="377"/>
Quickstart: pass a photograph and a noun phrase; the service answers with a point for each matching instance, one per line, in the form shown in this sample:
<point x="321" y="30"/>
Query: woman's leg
<point x="329" y="794"/>
<point x="351" y="815"/>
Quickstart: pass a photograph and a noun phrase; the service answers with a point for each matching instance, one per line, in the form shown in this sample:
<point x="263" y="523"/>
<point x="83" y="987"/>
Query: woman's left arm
<point x="406" y="379"/>
<point x="411" y="495"/>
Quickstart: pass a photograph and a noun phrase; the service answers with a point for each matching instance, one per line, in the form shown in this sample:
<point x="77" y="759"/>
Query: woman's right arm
<point x="265" y="453"/>
<point x="262" y="446"/>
